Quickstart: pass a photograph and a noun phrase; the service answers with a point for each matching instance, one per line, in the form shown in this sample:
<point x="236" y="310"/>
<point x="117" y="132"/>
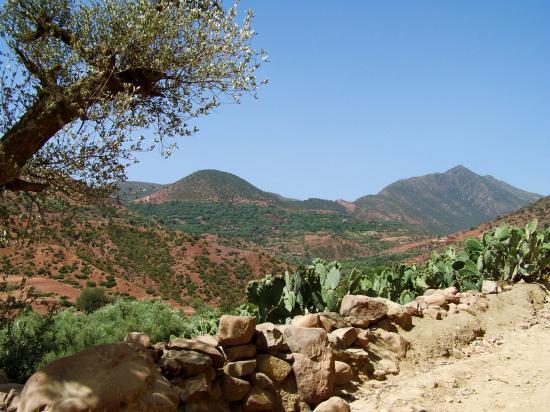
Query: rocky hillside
<point x="539" y="210"/>
<point x="130" y="255"/>
<point x="443" y="203"/>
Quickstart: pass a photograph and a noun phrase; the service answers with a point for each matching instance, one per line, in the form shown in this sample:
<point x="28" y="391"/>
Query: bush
<point x="91" y="299"/>
<point x="32" y="340"/>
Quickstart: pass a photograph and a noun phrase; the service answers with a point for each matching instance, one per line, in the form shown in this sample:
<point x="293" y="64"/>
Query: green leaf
<point x="333" y="278"/>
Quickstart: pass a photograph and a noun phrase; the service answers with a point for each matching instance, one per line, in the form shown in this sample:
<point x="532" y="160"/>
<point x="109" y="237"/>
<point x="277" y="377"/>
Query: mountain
<point x="211" y="186"/>
<point x="539" y="210"/>
<point x="444" y="202"/>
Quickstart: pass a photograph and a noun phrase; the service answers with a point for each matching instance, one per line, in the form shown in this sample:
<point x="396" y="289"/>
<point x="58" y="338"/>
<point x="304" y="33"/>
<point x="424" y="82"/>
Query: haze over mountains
<point x="440" y="203"/>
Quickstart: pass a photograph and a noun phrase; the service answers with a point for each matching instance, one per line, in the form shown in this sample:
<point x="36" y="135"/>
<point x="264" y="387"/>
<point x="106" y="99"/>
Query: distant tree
<point x="80" y="80"/>
<point x="91" y="299"/>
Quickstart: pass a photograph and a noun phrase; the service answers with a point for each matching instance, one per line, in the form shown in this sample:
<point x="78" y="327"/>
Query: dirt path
<point x="506" y="370"/>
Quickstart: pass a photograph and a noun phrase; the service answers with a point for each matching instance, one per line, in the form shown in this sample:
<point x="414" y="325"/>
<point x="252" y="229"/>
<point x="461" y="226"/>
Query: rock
<point x="334" y="404"/>
<point x="338" y="320"/>
<point x="307" y="321"/>
<point x="490" y="286"/>
<point x="198" y="346"/>
<point x="118" y="376"/>
<point x="239" y="352"/>
<point x="328" y="323"/>
<point x="453" y="290"/>
<point x="363" y="338"/>
<point x="432" y="313"/>
<point x="343" y="373"/>
<point x="240" y="368"/>
<point x="397" y="314"/>
<point x="335" y="342"/>
<point x="10" y="396"/>
<point x="275" y="368"/>
<point x="362" y="310"/>
<point x="463" y="307"/>
<point x="208" y="339"/>
<point x="234" y="389"/>
<point x="313" y="365"/>
<point x="262" y="380"/>
<point x="184" y="363"/>
<point x="346" y="335"/>
<point x="351" y="354"/>
<point x="139" y="339"/>
<point x="392" y="341"/>
<point x="194" y="388"/>
<point x="258" y="400"/>
<point x="435" y="299"/>
<point x="269" y="338"/>
<point x="413" y="308"/>
<point x="236" y="330"/>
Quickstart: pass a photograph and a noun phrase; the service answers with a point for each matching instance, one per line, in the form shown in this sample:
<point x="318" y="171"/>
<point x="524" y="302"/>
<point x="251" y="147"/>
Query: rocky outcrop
<point x="104" y="377"/>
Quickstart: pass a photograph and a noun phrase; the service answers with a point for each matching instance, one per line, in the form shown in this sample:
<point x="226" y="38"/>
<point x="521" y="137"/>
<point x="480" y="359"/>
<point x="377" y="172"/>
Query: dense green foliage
<point x="506" y="254"/>
<point x="32" y="340"/>
<point x="279" y="229"/>
<point x="91" y="299"/>
<point x="251" y="222"/>
<point x="314" y="288"/>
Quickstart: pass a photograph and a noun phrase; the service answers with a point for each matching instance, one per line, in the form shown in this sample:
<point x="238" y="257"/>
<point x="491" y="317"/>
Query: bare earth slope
<point x="508" y="369"/>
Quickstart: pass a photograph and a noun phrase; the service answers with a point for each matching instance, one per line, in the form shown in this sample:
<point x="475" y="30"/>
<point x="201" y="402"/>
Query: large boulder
<point x="105" y="377"/>
<point x="361" y="310"/>
<point x="313" y="365"/>
<point x="236" y="330"/>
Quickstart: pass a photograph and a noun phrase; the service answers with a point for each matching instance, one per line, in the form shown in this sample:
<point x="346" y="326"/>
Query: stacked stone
<point x="246" y="367"/>
<point x="439" y="303"/>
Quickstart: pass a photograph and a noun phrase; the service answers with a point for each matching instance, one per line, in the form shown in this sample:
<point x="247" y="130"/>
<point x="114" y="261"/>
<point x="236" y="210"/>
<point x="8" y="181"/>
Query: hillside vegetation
<point x="296" y="234"/>
<point x="130" y="255"/>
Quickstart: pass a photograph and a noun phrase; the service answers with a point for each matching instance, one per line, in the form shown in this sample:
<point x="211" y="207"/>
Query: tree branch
<point x="19" y="184"/>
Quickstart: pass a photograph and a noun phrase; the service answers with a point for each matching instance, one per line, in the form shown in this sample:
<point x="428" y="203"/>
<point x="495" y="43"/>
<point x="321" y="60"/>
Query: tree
<point x="91" y="299"/>
<point x="80" y="81"/>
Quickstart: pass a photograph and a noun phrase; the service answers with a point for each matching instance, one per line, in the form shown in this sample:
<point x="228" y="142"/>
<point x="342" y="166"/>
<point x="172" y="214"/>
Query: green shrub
<point x="91" y="299"/>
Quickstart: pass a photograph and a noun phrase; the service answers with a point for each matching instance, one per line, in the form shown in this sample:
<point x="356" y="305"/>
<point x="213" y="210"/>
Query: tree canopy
<point x="81" y="80"/>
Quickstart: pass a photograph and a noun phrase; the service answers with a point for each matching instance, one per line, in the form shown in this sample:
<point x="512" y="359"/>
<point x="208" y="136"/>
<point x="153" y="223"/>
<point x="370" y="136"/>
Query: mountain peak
<point x="211" y="185"/>
<point x="445" y="202"/>
<point x="459" y="169"/>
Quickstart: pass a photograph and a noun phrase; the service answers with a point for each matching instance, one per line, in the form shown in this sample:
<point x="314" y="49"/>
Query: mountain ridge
<point x="441" y="203"/>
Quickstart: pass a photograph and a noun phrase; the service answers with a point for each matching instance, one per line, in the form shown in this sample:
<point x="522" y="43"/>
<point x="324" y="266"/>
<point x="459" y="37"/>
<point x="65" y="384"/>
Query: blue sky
<point x="363" y="93"/>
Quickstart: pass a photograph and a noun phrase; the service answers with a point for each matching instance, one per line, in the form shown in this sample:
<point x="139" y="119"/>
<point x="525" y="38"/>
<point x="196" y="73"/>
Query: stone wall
<point x="311" y="364"/>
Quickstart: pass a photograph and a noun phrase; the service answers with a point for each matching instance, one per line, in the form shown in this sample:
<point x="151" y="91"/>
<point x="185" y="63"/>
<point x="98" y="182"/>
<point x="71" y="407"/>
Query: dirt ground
<point x="452" y="368"/>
